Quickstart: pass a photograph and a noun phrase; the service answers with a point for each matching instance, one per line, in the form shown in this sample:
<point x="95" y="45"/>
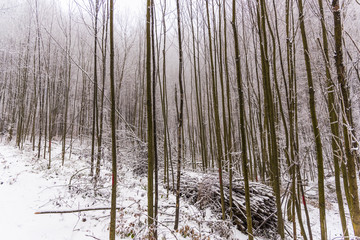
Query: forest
<point x="196" y="119"/>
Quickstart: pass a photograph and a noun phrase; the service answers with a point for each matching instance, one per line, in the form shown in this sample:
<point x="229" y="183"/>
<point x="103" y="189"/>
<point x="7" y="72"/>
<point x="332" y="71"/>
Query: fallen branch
<point x="83" y="210"/>
<point x="77" y="210"/>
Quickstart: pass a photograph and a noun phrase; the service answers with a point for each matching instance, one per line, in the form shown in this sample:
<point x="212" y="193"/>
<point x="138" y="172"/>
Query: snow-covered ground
<point x="25" y="189"/>
<point x="28" y="186"/>
<point x="333" y="222"/>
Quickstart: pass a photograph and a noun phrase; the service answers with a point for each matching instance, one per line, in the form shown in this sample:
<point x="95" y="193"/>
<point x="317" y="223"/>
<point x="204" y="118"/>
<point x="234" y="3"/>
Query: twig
<point x="75" y="175"/>
<point x="87" y="235"/>
<point x="173" y="232"/>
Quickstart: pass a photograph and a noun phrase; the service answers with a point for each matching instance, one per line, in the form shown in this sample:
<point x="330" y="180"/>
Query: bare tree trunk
<point x="216" y="113"/>
<point x="334" y="121"/>
<point x="152" y="12"/>
<point x="242" y="124"/>
<point x="270" y="114"/>
<point x="66" y="88"/>
<point x="113" y="126"/>
<point x="348" y="126"/>
<point x="95" y="97"/>
<point x="315" y="125"/>
<point x="150" y="130"/>
<point x="104" y="45"/>
<point x="179" y="118"/>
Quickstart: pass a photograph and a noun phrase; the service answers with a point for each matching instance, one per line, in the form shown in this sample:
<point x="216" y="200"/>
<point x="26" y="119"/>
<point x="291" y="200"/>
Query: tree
<point x="149" y="112"/>
<point x="270" y="113"/>
<point x="334" y="121"/>
<point x="219" y="155"/>
<point x="350" y="141"/>
<point x="95" y="126"/>
<point x="180" y="110"/>
<point x="113" y="126"/>
<point x="152" y="12"/>
<point x="242" y="124"/>
<point x="104" y="45"/>
<point x="66" y="87"/>
<point x="315" y="125"/>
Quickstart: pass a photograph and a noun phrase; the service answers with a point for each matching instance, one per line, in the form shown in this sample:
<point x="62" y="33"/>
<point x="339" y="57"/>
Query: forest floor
<point x="28" y="186"/>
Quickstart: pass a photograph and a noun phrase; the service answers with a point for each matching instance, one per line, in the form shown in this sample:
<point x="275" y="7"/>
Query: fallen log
<point x="203" y="190"/>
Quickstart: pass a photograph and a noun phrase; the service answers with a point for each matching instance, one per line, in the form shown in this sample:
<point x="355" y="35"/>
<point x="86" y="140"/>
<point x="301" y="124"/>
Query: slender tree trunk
<point x="315" y="125"/>
<point x="95" y="97"/>
<point x="66" y="89"/>
<point x="334" y="121"/>
<point x="228" y="94"/>
<point x="348" y="126"/>
<point x="150" y="122"/>
<point x="198" y="94"/>
<point x="179" y="117"/>
<point x="219" y="156"/>
<point x="270" y="114"/>
<point x="104" y="55"/>
<point x="113" y="127"/>
<point x="242" y="124"/>
<point x="154" y="116"/>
